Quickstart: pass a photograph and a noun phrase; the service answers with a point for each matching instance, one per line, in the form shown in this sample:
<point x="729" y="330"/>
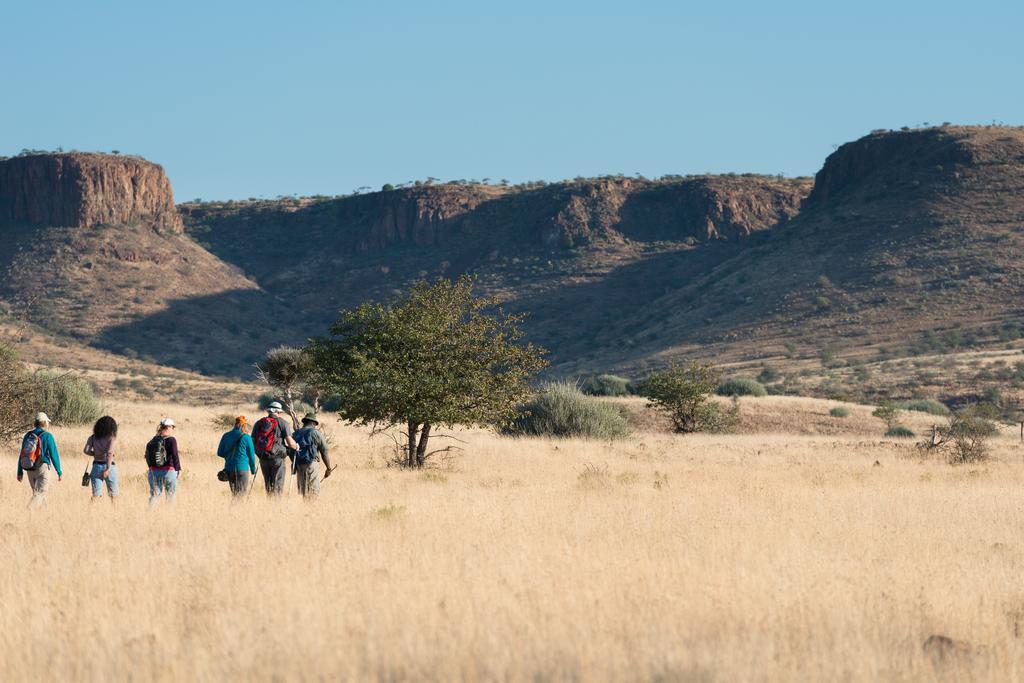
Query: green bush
<point x="606" y="385"/>
<point x="900" y="432"/>
<point x="927" y="405"/>
<point x="840" y="411"/>
<point x="67" y="399"/>
<point x="741" y="386"/>
<point x="684" y="393"/>
<point x="561" y="409"/>
<point x="331" y="403"/>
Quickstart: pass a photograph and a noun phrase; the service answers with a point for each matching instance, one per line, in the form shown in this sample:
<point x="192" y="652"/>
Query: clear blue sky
<point x="240" y="99"/>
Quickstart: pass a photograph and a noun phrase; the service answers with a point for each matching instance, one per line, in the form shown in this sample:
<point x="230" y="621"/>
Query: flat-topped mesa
<point x="915" y="163"/>
<point x="86" y="189"/>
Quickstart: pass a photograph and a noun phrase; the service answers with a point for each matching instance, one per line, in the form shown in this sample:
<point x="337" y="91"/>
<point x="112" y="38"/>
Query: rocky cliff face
<point x="85" y="190"/>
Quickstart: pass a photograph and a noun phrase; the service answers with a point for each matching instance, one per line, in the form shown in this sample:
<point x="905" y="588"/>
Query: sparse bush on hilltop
<point x="606" y="385"/>
<point x="684" y="392"/>
<point x="741" y="386"/>
<point x="900" y="432"/>
<point x="561" y="409"/>
<point x="926" y="405"/>
<point x="768" y="375"/>
<point x="840" y="411"/>
<point x="67" y="399"/>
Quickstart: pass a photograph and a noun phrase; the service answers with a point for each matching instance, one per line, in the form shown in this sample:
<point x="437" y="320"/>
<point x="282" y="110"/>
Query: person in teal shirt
<point x="39" y="478"/>
<point x="239" y="453"/>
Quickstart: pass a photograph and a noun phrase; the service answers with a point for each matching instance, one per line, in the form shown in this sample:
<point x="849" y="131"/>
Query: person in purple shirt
<point x="164" y="463"/>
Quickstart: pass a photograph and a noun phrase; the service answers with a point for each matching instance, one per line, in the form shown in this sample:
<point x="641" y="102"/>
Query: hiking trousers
<point x="274" y="472"/>
<point x="39" y="481"/>
<point x="239" y="483"/>
<point x="308" y="479"/>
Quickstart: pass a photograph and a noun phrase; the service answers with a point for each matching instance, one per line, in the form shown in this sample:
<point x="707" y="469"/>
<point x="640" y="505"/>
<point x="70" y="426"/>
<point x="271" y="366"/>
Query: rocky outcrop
<point x="84" y="190"/>
<point x="422" y="216"/>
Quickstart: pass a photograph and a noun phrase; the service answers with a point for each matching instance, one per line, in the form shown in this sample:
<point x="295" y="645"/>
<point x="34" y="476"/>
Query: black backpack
<point x="156" y="452"/>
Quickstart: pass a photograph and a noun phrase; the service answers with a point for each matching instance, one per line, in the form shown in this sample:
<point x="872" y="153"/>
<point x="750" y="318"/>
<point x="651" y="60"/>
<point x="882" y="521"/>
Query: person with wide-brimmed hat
<point x="38" y="454"/>
<point x="311" y="452"/>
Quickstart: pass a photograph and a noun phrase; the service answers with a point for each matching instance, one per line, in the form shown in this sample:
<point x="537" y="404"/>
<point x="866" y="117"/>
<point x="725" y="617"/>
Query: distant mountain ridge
<point x="901" y="234"/>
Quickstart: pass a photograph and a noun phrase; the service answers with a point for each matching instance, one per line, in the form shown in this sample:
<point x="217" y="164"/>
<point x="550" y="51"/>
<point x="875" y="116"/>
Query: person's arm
<point x="321" y="447"/>
<point x="172" y="453"/>
<point x="222" y="451"/>
<point x="51" y="446"/>
<point x="110" y="457"/>
<point x="89" y="450"/>
<point x="250" y="452"/>
<point x="20" y="472"/>
<point x="289" y="440"/>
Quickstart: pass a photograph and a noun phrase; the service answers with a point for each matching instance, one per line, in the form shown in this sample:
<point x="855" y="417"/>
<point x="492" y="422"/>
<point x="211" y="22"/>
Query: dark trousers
<point x="239" y="482"/>
<point x="274" y="472"/>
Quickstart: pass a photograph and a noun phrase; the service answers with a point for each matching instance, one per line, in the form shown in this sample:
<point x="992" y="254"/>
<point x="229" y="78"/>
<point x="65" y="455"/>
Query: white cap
<point x="42" y="417"/>
<point x="167" y="422"/>
<point x="274" y="407"/>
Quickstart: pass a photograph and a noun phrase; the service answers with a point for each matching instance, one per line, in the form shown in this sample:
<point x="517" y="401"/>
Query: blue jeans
<point x="97" y="480"/>
<point x="160" y="481"/>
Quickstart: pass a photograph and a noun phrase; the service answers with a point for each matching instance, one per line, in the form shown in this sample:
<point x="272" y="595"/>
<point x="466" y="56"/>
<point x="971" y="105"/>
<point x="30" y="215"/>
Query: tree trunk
<point x="289" y="406"/>
<point x="413" y="428"/>
<point x="421" y="450"/>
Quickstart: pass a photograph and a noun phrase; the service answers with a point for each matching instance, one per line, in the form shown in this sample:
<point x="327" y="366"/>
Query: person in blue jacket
<point x="49" y="457"/>
<point x="239" y="453"/>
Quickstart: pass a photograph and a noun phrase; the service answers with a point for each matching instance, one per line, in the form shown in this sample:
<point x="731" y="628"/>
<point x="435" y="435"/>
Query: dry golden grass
<point x="744" y="557"/>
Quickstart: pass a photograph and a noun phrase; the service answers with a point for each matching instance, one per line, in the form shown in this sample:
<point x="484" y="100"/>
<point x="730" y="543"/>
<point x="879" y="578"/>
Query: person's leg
<point x="112" y="483"/>
<point x="300" y="479"/>
<point x="171" y="484"/>
<point x="96" y="479"/>
<point x="39" y="481"/>
<point x="267" y="467"/>
<point x="153" y="477"/>
<point x="280" y="475"/>
<point x="313" y="480"/>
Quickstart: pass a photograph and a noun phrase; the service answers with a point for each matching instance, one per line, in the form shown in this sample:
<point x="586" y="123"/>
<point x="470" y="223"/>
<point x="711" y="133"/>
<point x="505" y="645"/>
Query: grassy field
<point x="804" y="548"/>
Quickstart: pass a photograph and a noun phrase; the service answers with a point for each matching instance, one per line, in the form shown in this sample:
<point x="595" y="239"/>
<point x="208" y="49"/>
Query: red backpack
<point x="264" y="436"/>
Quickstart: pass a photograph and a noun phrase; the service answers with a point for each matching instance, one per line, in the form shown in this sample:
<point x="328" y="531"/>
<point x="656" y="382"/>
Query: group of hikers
<point x="269" y="444"/>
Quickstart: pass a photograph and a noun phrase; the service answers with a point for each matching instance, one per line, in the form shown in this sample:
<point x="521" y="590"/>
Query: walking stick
<point x="253" y="482"/>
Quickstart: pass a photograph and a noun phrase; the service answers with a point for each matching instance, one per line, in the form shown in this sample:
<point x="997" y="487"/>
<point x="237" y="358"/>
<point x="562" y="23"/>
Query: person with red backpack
<point x="273" y="440"/>
<point x="38" y="454"/>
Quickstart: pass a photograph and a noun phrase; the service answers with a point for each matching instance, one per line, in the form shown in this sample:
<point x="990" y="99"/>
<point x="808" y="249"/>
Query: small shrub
<point x="927" y="405"/>
<point x="899" y="432"/>
<point x="768" y="375"/>
<point x="840" y="411"/>
<point x="223" y="421"/>
<point x="606" y="385"/>
<point x="684" y="392"/>
<point x="741" y="386"/>
<point x="67" y="399"/>
<point x="593" y="477"/>
<point x="965" y="438"/>
<point x="331" y="403"/>
<point x="561" y="409"/>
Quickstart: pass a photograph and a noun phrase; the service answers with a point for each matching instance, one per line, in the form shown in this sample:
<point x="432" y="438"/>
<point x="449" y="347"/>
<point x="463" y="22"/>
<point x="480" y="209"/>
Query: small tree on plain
<point x="684" y="392"/>
<point x="17" y="394"/>
<point x="288" y="370"/>
<point x="888" y="412"/>
<point x="436" y="357"/>
<point x="965" y="438"/>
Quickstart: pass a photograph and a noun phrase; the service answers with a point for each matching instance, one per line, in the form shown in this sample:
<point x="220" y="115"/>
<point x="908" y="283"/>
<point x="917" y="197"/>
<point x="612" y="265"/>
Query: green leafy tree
<point x="684" y="392"/>
<point x="888" y="412"/>
<point x="437" y="357"/>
